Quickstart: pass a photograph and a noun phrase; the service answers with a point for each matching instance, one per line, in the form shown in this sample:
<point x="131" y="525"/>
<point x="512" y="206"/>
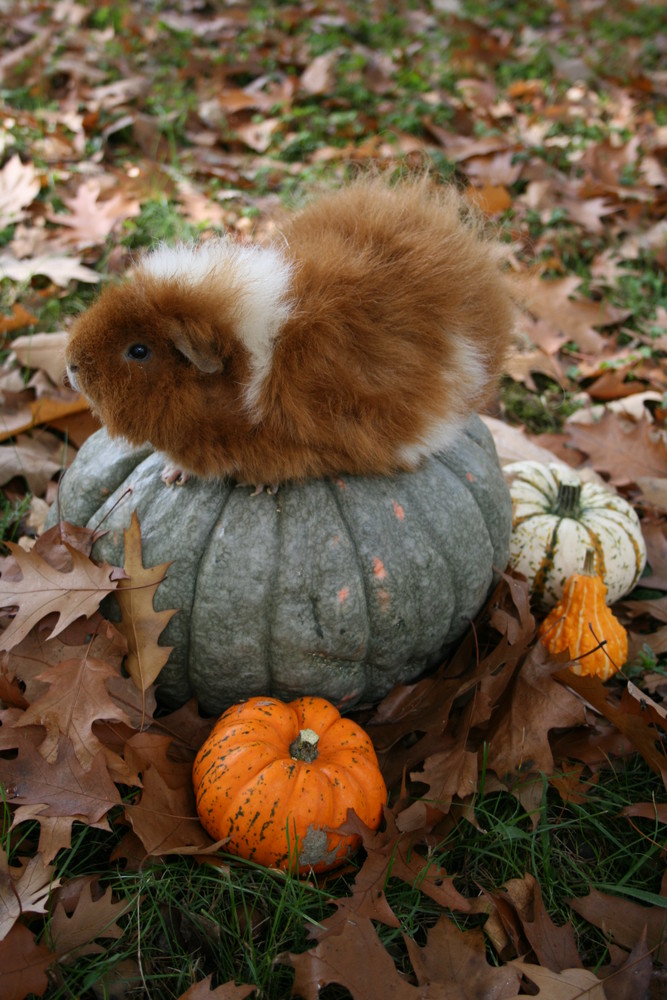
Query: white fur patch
<point x="463" y="384"/>
<point x="259" y="279"/>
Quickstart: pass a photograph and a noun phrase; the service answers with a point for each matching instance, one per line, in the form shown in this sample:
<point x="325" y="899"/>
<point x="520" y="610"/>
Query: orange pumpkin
<point x="277" y="779"/>
<point x="582" y="623"/>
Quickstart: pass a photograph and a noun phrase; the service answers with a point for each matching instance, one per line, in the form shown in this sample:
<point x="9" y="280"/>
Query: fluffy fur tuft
<point x="359" y="343"/>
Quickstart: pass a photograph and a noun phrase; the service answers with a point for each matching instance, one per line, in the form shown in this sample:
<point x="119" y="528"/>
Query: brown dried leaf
<point x="76" y="697"/>
<point x="140" y="623"/>
<point x="574" y="319"/>
<point x="519" y="728"/>
<point x="621" y="454"/>
<point x="36" y="458"/>
<point x="45" y="351"/>
<point x="356" y="959"/>
<point x="43" y="590"/>
<point x="625" y="922"/>
<point x="638" y="728"/>
<point x="90" y="220"/>
<point x="24" y="889"/>
<point x="72" y="936"/>
<point x="165" y="816"/>
<point x="23" y="964"/>
<point x="458" y="959"/>
<point x="227" y="991"/>
<point x="19" y="186"/>
<point x="60" y="269"/>
<point x="570" y="984"/>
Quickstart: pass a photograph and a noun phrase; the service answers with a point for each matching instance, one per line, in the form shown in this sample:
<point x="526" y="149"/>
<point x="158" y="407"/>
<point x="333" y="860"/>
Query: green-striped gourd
<point x="556" y="517"/>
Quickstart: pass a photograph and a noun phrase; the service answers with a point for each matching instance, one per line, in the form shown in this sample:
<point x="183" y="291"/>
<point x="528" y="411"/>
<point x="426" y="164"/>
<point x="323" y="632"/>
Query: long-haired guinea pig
<point x="360" y="341"/>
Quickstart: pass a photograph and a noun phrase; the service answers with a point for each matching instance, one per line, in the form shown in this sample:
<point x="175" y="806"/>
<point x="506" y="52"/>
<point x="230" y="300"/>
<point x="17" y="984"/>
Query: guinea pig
<point x="358" y="342"/>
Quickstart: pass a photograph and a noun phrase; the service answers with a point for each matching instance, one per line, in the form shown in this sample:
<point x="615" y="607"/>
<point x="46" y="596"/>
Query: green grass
<point x="192" y="920"/>
<point x="11" y="514"/>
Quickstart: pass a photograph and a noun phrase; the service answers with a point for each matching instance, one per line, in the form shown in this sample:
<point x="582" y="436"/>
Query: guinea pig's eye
<point x="137" y="352"/>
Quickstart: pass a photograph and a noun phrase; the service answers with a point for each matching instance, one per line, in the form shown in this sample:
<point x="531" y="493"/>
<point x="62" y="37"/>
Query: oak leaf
<point x="19" y="186"/>
<point x="165" y="817"/>
<point x="23" y="964"/>
<point x="56" y="793"/>
<point x="458" y="958"/>
<point x="623" y="455"/>
<point x="60" y="269"/>
<point x="23" y="889"/>
<point x="45" y="351"/>
<point x="77" y="695"/>
<point x="90" y="220"/>
<point x="140" y="623"/>
<point x="356" y="959"/>
<point x="533" y="705"/>
<point x="72" y="936"/>
<point x="227" y="991"/>
<point x="43" y="590"/>
<point x="36" y="458"/>
<point x="570" y="984"/>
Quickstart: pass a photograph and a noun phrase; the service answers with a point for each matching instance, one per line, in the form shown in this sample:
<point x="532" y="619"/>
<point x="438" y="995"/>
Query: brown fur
<point x="386" y="282"/>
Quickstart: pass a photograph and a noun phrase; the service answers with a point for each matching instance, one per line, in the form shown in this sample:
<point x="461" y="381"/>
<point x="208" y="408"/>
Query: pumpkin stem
<point x="567" y="499"/>
<point x="304" y="746"/>
<point x="589" y="563"/>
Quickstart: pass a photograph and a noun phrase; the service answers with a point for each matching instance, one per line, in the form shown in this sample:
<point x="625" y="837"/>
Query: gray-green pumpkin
<point x="334" y="587"/>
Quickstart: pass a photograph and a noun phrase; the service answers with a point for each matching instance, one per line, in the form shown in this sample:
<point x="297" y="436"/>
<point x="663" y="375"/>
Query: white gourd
<point x="556" y="517"/>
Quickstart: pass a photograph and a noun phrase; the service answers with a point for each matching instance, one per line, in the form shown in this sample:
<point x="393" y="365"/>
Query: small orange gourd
<point x="277" y="779"/>
<point x="582" y="623"/>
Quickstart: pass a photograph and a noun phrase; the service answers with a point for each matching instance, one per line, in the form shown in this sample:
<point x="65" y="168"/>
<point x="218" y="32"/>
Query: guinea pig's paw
<point x="173" y="476"/>
<point x="271" y="488"/>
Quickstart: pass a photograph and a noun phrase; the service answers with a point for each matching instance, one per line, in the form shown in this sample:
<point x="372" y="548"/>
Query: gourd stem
<point x="304" y="746"/>
<point x="589" y="563"/>
<point x="567" y="499"/>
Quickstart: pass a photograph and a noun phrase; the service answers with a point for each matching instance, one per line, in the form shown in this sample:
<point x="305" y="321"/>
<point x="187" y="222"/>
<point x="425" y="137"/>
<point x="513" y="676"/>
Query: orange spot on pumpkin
<point x="470" y="477"/>
<point x="383" y="599"/>
<point x="398" y="511"/>
<point x="343" y="594"/>
<point x="379" y="572"/>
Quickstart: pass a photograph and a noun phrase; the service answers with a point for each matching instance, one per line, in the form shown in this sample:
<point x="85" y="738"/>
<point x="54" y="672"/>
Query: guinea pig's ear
<point x="197" y="348"/>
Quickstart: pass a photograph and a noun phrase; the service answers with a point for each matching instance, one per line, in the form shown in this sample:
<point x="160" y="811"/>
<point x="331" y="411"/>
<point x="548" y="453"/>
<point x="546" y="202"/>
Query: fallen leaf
<point x="227" y="991"/>
<point x="165" y="816"/>
<point x="20" y="317"/>
<point x="45" y="351"/>
<point x="570" y="984"/>
<point x="23" y="964"/>
<point x="36" y="459"/>
<point x="621" y="454"/>
<point x="356" y="959"/>
<point x="140" y="623"/>
<point x="56" y="794"/>
<point x="518" y="733"/>
<point x="90" y="220"/>
<point x="72" y="936"/>
<point x="458" y="959"/>
<point x="39" y="411"/>
<point x="75" y="698"/>
<point x="639" y="728"/>
<point x="43" y="590"/>
<point x="24" y="889"/>
<point x="60" y="269"/>
<point x="625" y="922"/>
<point x="19" y="186"/>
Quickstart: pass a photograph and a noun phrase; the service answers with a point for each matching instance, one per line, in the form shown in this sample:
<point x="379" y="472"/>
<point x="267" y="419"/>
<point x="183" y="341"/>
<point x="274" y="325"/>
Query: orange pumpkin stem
<point x="304" y="747"/>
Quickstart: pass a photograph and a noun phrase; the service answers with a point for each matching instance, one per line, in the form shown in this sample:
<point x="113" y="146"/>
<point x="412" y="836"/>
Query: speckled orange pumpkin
<point x="278" y="778"/>
<point x="582" y="623"/>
